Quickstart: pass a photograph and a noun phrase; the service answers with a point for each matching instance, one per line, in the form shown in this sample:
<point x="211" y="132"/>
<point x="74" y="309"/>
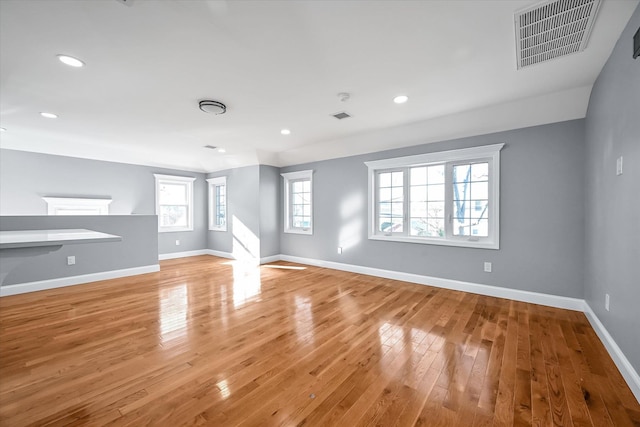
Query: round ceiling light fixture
<point x="213" y="107"/>
<point x="71" y="61"/>
<point x="400" y="99"/>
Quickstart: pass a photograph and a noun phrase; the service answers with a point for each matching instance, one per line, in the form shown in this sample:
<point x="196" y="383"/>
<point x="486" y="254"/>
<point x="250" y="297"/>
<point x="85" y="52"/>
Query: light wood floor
<point x="207" y="342"/>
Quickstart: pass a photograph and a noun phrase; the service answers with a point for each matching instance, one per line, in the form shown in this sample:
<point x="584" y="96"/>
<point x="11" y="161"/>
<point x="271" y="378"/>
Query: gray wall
<point x="613" y="202"/>
<point x="541" y="215"/>
<point x="252" y="212"/>
<point x="243" y="207"/>
<point x="26" y="177"/>
<point x="138" y="248"/>
<point x="269" y="211"/>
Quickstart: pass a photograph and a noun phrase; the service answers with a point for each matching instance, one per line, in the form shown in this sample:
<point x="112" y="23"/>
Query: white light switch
<point x="71" y="260"/>
<point x="619" y="166"/>
<point x="487" y="267"/>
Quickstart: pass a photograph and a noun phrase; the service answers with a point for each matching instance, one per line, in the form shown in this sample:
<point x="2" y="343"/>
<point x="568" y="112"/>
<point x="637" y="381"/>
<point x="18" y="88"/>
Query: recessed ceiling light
<point x="3" y="130"/>
<point x="221" y="150"/>
<point x="285" y="132"/>
<point x="49" y="115"/>
<point x="71" y="61"/>
<point x="400" y="99"/>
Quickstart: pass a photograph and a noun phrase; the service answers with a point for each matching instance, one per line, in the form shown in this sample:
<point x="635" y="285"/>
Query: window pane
<point x="418" y="227"/>
<point x="419" y="193"/>
<point x="172" y="194"/>
<point x="397" y="210"/>
<point x="435" y="209"/>
<point x="461" y="191"/>
<point x="306" y="210"/>
<point x="397" y="225"/>
<point x="479" y="190"/>
<point x="397" y="194"/>
<point x="418" y="209"/>
<point x="173" y="216"/>
<point x="385" y="194"/>
<point x="306" y="186"/>
<point x="418" y="176"/>
<point x="435" y="227"/>
<point x="385" y="179"/>
<point x="385" y="224"/>
<point x="461" y="226"/>
<point x="480" y="228"/>
<point x="461" y="173"/>
<point x="461" y="209"/>
<point x="435" y="192"/>
<point x="480" y="209"/>
<point x="436" y="174"/>
<point x="397" y="179"/>
<point x="480" y="172"/>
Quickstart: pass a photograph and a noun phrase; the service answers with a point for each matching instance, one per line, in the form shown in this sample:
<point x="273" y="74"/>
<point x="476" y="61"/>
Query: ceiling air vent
<point x="341" y="116"/>
<point x="553" y="29"/>
<point x="210" y="147"/>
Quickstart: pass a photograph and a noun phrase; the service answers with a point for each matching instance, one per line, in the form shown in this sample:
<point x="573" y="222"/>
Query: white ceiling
<point x="276" y="64"/>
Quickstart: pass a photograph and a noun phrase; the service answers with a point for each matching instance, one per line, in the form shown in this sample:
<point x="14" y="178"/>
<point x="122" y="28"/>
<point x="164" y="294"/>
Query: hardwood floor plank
<point x="208" y="341"/>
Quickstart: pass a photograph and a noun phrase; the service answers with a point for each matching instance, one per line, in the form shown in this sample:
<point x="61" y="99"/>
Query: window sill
<point x="218" y="229"/>
<point x="173" y="230"/>
<point x="298" y="231"/>
<point x="479" y="244"/>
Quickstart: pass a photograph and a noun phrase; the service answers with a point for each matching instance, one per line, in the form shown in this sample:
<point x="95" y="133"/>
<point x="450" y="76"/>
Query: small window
<point x="218" y="203"/>
<point x="298" y="202"/>
<point x="174" y="203"/>
<point x="444" y="198"/>
<point x="76" y="206"/>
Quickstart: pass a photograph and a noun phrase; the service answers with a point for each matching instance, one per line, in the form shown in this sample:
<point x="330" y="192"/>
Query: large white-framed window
<point x="76" y="206"/>
<point x="174" y="203"/>
<point x="298" y="202"/>
<point x="218" y="203"/>
<point x="447" y="198"/>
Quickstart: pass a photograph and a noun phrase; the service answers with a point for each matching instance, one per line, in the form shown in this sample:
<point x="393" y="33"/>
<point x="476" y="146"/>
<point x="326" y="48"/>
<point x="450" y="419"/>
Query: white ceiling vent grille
<point x="553" y="29"/>
<point x="342" y="115"/>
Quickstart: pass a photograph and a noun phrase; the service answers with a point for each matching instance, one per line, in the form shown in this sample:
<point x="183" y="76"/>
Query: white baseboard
<point x="456" y="285"/>
<point x="220" y="254"/>
<point x="174" y="255"/>
<point x="268" y="259"/>
<point x="42" y="285"/>
<point x="630" y="375"/>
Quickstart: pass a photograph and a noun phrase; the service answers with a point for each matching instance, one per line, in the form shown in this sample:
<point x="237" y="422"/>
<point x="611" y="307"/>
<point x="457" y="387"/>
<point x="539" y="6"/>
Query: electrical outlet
<point x="177" y="242"/>
<point x="71" y="260"/>
<point x="619" y="166"/>
<point x="339" y="250"/>
<point x="606" y="301"/>
<point x="487" y="267"/>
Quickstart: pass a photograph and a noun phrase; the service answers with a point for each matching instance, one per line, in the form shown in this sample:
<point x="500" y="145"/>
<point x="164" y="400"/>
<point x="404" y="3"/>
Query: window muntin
<point x="445" y="198"/>
<point x="218" y="203"/>
<point x="174" y="203"/>
<point x="298" y="203"/>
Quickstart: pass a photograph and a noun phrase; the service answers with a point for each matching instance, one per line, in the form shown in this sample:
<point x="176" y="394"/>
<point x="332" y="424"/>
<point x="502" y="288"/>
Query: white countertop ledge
<point x="36" y="238"/>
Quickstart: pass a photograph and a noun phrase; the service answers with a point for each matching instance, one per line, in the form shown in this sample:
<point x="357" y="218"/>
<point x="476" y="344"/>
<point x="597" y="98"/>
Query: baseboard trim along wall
<point x="42" y="285"/>
<point x="456" y="285"/>
<point x="630" y="375"/>
<point x="626" y="369"/>
<point x="173" y="255"/>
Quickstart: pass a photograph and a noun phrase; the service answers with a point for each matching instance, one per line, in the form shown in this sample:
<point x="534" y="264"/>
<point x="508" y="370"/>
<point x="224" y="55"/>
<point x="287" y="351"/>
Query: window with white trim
<point x="76" y="206"/>
<point x="444" y="198"/>
<point x="298" y="202"/>
<point x="218" y="203"/>
<point x="174" y="203"/>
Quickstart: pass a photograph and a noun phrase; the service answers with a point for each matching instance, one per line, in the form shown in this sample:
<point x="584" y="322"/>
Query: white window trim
<point x="288" y="178"/>
<point x="172" y="178"/>
<point x="56" y="204"/>
<point x="213" y="183"/>
<point x="489" y="152"/>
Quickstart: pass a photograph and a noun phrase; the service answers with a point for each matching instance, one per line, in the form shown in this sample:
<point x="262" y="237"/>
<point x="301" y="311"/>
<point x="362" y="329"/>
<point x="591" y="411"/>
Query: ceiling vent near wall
<point x="553" y="29"/>
<point x="342" y="115"/>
